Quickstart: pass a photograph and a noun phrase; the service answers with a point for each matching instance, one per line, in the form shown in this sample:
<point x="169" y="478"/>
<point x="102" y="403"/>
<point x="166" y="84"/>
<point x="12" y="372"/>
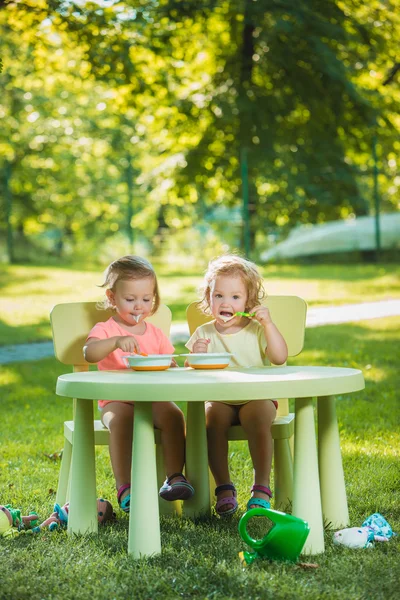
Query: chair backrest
<point x="287" y="312"/>
<point x="72" y="321"/>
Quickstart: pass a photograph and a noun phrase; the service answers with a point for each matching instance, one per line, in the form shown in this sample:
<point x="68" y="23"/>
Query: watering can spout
<point x="284" y="541"/>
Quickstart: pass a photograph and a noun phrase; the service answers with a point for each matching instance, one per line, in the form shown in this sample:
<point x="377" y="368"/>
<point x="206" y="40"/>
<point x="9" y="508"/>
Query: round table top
<point x="190" y="385"/>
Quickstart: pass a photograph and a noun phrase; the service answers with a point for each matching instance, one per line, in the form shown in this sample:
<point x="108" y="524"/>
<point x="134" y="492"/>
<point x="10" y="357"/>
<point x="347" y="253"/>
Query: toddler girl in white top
<point x="233" y="284"/>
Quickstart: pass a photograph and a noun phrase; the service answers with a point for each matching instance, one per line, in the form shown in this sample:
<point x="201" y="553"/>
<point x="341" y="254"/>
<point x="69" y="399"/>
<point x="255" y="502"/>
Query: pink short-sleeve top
<point x="152" y="341"/>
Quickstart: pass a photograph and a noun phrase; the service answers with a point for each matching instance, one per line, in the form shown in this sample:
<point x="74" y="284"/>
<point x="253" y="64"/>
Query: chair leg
<point x="63" y="478"/>
<point x="283" y="474"/>
<point x="212" y="486"/>
<point x="197" y="461"/>
<point x="166" y="508"/>
<point x="291" y="444"/>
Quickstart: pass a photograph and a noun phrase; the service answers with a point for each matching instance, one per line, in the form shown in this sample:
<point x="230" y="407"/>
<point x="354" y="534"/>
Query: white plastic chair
<point x="71" y="322"/>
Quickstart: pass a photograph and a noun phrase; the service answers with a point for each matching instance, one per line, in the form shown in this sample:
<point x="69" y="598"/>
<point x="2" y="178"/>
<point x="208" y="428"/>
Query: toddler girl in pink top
<point x="132" y="291"/>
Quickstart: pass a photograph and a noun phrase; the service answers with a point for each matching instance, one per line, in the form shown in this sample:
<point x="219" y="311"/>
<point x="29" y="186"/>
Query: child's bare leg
<point x="219" y="417"/>
<point x="256" y="418"/>
<point x="118" y="418"/>
<point x="169" y="419"/>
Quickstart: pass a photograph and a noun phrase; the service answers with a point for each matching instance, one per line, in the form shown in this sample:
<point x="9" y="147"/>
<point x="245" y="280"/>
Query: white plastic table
<point x="318" y="488"/>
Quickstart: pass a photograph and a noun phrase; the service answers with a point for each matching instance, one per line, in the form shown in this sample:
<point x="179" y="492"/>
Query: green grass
<point x="200" y="559"/>
<point x="29" y="292"/>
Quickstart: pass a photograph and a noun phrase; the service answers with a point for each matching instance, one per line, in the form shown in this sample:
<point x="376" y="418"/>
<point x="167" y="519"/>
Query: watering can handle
<point x="256" y="512"/>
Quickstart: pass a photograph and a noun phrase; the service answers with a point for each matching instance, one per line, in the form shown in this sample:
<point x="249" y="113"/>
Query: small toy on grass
<point x="59" y="518"/>
<point x="12" y="521"/>
<point x="7" y="530"/>
<point x="284" y="541"/>
<point x="5" y="525"/>
<point x="374" y="529"/>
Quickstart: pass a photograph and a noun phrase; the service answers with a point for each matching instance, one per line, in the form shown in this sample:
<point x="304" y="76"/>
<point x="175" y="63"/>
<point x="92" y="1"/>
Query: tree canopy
<point x="121" y="115"/>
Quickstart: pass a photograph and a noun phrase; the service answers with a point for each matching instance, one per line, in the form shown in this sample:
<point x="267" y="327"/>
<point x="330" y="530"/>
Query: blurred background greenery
<point x="179" y="129"/>
<point x="167" y="126"/>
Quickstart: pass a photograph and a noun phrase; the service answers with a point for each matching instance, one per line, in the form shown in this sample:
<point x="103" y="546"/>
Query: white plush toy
<point x="374" y="529"/>
<point x="357" y="537"/>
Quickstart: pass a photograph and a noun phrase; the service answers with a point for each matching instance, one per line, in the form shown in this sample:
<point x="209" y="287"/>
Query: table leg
<point x="306" y="490"/>
<point x="333" y="491"/>
<point x="144" y="519"/>
<point x="197" y="461"/>
<point x="82" y="517"/>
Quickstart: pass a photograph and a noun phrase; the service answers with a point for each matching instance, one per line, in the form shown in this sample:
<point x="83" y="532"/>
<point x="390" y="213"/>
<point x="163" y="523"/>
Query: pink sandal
<point x="228" y="500"/>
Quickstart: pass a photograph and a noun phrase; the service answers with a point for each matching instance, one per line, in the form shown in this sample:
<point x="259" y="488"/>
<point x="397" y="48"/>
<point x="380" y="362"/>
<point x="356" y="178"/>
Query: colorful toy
<point x="5" y="525"/>
<point x="11" y="518"/>
<point x="59" y="518"/>
<point x="374" y="529"/>
<point x="284" y="541"/>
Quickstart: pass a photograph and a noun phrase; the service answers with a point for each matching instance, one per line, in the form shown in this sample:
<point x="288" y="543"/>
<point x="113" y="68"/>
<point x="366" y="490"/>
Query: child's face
<point x="228" y="295"/>
<point x="132" y="299"/>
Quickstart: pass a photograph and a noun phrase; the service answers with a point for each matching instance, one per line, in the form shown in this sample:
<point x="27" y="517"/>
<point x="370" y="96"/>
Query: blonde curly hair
<point x="234" y="266"/>
<point x="125" y="268"/>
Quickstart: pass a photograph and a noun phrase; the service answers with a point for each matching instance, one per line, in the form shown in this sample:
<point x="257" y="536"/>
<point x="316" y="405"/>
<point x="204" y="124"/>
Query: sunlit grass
<point x="29" y="292"/>
<point x="387" y="445"/>
<point x="200" y="558"/>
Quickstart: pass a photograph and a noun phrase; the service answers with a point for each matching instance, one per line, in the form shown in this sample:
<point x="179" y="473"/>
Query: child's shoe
<point x="260" y="502"/>
<point x="179" y="490"/>
<point x="126" y="501"/>
<point x="227" y="500"/>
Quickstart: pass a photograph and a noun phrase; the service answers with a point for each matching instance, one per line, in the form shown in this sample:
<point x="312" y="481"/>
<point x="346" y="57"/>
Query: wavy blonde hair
<point x="125" y="268"/>
<point x="234" y="266"/>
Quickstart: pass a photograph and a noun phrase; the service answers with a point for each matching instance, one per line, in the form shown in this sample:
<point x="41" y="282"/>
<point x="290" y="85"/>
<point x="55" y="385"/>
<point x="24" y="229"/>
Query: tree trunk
<point x="8" y="198"/>
<point x="249" y="192"/>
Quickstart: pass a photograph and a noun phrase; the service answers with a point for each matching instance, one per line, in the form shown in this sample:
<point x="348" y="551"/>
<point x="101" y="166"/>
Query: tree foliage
<point x="180" y="90"/>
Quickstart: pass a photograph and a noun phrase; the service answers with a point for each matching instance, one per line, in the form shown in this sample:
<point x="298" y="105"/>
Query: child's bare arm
<point x="276" y="349"/>
<point x="95" y="349"/>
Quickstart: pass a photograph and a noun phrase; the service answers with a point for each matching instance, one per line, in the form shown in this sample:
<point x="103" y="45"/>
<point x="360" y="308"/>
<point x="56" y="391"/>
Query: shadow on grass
<point x="17" y="274"/>
<point x="327" y="272"/>
<point x="24" y="334"/>
<point x="200" y="558"/>
<point x="372" y="350"/>
<point x="333" y="271"/>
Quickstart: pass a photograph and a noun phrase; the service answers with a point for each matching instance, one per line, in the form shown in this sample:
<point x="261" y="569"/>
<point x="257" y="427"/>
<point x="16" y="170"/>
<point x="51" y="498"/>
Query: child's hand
<point x="201" y="345"/>
<point x="261" y="315"/>
<point x="127" y="343"/>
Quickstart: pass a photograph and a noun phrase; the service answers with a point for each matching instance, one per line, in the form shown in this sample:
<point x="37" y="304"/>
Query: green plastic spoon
<point x="244" y="314"/>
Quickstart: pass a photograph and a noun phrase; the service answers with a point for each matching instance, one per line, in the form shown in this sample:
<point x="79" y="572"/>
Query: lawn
<point x="200" y="559"/>
<point x="29" y="292"/>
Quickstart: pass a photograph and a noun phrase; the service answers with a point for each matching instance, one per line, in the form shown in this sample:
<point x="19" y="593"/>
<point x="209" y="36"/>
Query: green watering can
<point x="284" y="541"/>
